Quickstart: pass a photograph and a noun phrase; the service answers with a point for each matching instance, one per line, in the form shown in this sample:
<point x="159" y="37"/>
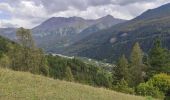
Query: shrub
<point x="158" y="86"/>
<point x="161" y="81"/>
<point x="123" y="87"/>
<point x="146" y="89"/>
<point x="68" y="75"/>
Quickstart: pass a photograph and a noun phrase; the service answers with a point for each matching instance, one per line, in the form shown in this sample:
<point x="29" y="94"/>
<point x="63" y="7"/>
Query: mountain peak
<point x="108" y="16"/>
<point x="75" y="18"/>
<point x="60" y="21"/>
<point x="65" y="18"/>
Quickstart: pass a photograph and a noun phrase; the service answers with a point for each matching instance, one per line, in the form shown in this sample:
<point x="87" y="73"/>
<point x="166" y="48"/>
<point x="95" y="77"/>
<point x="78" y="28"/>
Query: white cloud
<point x="28" y="9"/>
<point x="29" y="13"/>
<point x="25" y="14"/>
<point x="5" y="7"/>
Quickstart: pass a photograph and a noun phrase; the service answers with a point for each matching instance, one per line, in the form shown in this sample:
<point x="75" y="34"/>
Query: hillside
<point x="25" y="86"/>
<point x="110" y="43"/>
<point x="6" y="45"/>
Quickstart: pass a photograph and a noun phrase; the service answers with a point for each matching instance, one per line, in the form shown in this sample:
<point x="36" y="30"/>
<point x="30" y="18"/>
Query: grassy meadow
<point x="25" y="86"/>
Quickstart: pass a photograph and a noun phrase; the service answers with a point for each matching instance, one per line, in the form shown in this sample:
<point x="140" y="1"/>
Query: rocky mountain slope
<point x="57" y="33"/>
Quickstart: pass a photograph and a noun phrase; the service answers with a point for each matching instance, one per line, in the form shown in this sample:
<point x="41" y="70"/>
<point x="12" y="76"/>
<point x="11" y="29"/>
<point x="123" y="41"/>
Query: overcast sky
<point x="29" y="13"/>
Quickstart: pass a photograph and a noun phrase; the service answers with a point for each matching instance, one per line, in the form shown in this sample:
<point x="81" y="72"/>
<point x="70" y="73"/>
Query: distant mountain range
<point x="110" y="43"/>
<point x="8" y="33"/>
<point x="57" y="33"/>
<point x="105" y="38"/>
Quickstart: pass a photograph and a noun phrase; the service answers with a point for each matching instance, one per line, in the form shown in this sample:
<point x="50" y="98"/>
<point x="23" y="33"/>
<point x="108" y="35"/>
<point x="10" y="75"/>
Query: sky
<point x="30" y="13"/>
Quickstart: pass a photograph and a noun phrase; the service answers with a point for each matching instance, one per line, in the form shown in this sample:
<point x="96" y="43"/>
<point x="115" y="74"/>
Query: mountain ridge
<point x="110" y="43"/>
<point x="56" y="33"/>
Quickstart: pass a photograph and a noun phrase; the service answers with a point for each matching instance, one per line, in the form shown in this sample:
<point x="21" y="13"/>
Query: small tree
<point x="121" y="70"/>
<point x="4" y="61"/>
<point x="26" y="57"/>
<point x="68" y="74"/>
<point x="25" y="52"/>
<point x="122" y="86"/>
<point x="42" y="63"/>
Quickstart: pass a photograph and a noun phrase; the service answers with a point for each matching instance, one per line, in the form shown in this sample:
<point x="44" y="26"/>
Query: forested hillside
<point x="141" y="74"/>
<point x="131" y="57"/>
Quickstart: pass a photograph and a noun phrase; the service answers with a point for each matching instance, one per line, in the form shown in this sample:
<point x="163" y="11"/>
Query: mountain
<point x="159" y="12"/>
<point x="8" y="33"/>
<point x="109" y="44"/>
<point x="25" y="86"/>
<point x="106" y="22"/>
<point x="98" y="39"/>
<point x="73" y="25"/>
<point x="58" y="32"/>
<point x="62" y="26"/>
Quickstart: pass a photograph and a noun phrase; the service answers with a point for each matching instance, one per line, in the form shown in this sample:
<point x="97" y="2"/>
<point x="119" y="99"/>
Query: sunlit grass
<point x="25" y="86"/>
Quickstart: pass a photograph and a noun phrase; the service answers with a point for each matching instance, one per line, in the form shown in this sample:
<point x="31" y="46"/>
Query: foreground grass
<point x="25" y="86"/>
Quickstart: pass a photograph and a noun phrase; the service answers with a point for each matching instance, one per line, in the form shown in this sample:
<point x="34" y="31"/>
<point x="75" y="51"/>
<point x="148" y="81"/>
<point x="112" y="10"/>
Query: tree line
<point x="141" y="68"/>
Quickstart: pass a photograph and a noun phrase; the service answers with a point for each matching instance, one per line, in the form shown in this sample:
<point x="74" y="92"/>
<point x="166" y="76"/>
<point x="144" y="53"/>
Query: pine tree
<point x="136" y="66"/>
<point x="68" y="74"/>
<point x="121" y="70"/>
<point x="159" y="58"/>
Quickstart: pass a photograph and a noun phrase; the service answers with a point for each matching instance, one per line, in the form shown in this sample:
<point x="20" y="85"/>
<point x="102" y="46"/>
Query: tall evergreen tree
<point x="159" y="58"/>
<point x="121" y="70"/>
<point x="136" y="66"/>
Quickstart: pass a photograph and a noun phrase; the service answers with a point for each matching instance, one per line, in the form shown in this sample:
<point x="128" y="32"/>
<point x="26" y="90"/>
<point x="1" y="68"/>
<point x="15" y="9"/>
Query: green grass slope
<point x="25" y="86"/>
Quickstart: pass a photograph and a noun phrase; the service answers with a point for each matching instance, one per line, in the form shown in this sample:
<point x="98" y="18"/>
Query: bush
<point x="161" y="81"/>
<point x="123" y="87"/>
<point x="146" y="89"/>
<point x="158" y="86"/>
